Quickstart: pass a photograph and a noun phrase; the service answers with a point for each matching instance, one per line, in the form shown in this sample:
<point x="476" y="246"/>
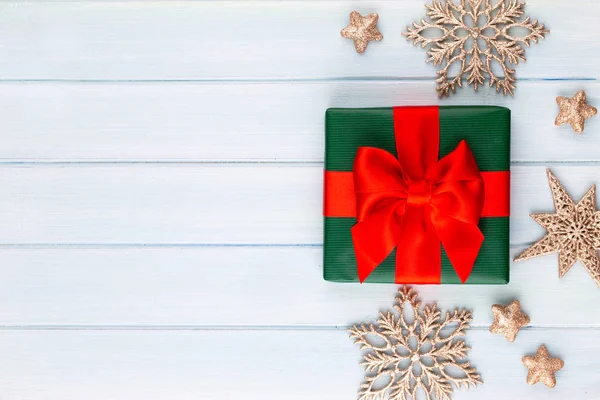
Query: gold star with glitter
<point x="574" y="111"/>
<point x="362" y="30"/>
<point x="542" y="367"/>
<point x="508" y="320"/>
<point x="573" y="231"/>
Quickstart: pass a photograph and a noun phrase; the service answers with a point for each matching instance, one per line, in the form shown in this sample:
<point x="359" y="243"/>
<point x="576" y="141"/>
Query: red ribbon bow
<point x="414" y="202"/>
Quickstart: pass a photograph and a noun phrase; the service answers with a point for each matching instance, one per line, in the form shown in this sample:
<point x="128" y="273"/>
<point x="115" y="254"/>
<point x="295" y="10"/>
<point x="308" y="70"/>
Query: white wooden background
<point x="160" y="199"/>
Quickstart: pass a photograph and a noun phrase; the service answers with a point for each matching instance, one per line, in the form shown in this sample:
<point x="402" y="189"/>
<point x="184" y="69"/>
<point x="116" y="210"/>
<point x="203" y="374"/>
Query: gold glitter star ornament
<point x="574" y="111"/>
<point x="573" y="231"/>
<point x="411" y="353"/>
<point x="508" y="320"/>
<point x="542" y="367"/>
<point x="362" y="30"/>
<point x="487" y="46"/>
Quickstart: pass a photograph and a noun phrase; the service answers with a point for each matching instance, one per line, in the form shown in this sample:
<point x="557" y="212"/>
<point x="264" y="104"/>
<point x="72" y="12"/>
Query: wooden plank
<point x="71" y="365"/>
<point x="251" y="287"/>
<point x="249" y="122"/>
<point x="207" y="204"/>
<point x="256" y="39"/>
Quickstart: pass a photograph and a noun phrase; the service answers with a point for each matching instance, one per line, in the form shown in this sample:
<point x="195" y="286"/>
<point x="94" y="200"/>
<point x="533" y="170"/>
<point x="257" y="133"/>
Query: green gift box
<point x="486" y="131"/>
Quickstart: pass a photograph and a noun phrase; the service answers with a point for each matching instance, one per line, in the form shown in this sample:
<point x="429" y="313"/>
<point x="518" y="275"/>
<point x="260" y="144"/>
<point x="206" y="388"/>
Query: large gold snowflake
<point x="477" y="37"/>
<point x="420" y="352"/>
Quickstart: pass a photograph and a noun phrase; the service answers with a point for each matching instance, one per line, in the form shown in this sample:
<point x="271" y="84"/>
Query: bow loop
<point x="380" y="184"/>
<point x="458" y="192"/>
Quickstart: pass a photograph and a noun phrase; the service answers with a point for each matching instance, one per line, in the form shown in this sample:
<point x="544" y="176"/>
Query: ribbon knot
<point x="419" y="193"/>
<point x="414" y="203"/>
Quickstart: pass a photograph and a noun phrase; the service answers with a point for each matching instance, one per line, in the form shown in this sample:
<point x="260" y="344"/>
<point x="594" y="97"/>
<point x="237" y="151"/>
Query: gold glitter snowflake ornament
<point x="423" y="352"/>
<point x="477" y="39"/>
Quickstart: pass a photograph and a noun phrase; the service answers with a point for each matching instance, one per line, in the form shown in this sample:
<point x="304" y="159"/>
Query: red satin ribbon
<point x="415" y="202"/>
<point x="340" y="199"/>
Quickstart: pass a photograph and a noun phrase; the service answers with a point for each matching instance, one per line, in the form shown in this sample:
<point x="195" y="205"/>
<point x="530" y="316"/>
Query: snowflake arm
<point x="414" y="33"/>
<point x="368" y="392"/>
<point x="440" y="388"/>
<point x="471" y="376"/>
<point x="501" y="13"/>
<point x="429" y="321"/>
<point x="462" y="318"/>
<point x="359" y="333"/>
<point x="445" y="15"/>
<point x="475" y="69"/>
<point x="536" y="31"/>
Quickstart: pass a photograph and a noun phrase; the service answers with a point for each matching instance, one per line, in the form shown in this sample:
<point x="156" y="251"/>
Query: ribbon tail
<point x="418" y="255"/>
<point x="374" y="239"/>
<point x="461" y="241"/>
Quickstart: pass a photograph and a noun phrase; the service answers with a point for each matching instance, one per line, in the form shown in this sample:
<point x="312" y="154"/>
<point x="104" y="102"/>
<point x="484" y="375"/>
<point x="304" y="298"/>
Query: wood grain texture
<point x="253" y="39"/>
<point x="213" y="122"/>
<point x="317" y="364"/>
<point x="161" y="186"/>
<point x="208" y="204"/>
<point x="249" y="287"/>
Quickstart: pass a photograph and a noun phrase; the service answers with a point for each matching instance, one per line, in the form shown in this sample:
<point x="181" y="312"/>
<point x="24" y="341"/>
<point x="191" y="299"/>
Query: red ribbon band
<point x="415" y="202"/>
<point x="340" y="199"/>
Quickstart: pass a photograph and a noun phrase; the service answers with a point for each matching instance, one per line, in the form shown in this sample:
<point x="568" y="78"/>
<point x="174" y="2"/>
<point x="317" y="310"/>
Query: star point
<point x="508" y="320"/>
<point x="574" y="111"/>
<point x="542" y="367"/>
<point x="362" y="30"/>
<point x="573" y="231"/>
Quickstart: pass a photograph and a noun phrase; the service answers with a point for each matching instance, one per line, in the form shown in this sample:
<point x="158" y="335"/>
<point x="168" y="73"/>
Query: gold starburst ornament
<point x="574" y="111"/>
<point x="362" y="30"/>
<point x="508" y="320"/>
<point x="476" y="39"/>
<point x="411" y="353"/>
<point x="573" y="231"/>
<point x="542" y="367"/>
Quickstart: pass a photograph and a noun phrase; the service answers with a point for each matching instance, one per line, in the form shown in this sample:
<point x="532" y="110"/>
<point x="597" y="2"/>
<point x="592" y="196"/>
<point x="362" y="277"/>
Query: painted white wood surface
<point x="199" y="121"/>
<point x="258" y="287"/>
<point x="279" y="364"/>
<point x="160" y="199"/>
<point x="254" y="39"/>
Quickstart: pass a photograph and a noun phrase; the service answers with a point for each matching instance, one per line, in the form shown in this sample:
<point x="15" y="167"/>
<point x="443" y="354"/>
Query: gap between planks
<point x="268" y="80"/>
<point x="183" y="328"/>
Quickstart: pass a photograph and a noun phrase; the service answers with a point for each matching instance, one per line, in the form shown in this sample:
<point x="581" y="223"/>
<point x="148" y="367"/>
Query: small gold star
<point x="574" y="111"/>
<point x="508" y="320"/>
<point x="362" y="30"/>
<point x="573" y="232"/>
<point x="542" y="367"/>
